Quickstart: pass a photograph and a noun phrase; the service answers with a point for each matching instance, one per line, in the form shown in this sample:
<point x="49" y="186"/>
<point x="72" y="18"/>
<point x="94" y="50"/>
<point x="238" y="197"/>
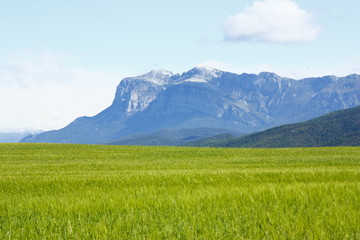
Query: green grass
<point x="50" y="191"/>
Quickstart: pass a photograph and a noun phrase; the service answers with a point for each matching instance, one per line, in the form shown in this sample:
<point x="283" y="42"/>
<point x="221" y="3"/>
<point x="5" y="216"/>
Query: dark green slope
<point x="213" y="141"/>
<point x="340" y="128"/>
<point x="168" y="137"/>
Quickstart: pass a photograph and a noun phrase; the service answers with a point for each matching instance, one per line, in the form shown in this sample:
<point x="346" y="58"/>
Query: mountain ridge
<point x="339" y="128"/>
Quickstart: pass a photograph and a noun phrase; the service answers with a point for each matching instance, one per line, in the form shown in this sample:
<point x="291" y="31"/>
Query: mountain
<point x="213" y="141"/>
<point x="340" y="128"/>
<point x="7" y="137"/>
<point x="168" y="137"/>
<point x="208" y="98"/>
<point x="15" y="136"/>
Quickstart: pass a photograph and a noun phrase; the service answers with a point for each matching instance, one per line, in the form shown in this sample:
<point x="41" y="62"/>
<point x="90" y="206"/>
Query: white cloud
<point x="278" y="21"/>
<point x="29" y="69"/>
<point x="38" y="92"/>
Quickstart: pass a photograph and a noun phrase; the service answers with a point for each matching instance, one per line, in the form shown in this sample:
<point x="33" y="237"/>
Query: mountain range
<point x="15" y="136"/>
<point x="208" y="98"/>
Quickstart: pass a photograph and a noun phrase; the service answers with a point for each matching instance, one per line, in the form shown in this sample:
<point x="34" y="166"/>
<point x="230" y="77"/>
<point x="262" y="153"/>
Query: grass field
<point x="50" y="191"/>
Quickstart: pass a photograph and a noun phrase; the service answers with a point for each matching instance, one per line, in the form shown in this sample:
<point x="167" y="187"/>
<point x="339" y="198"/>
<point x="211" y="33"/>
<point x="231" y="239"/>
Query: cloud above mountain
<point x="40" y="91"/>
<point x="29" y="69"/>
<point x="275" y="21"/>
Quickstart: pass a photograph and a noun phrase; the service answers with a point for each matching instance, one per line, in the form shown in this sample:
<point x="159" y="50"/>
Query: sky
<point x="60" y="60"/>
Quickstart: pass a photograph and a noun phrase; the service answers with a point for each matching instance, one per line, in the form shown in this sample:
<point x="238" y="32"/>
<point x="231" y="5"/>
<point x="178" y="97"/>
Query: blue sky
<point x="63" y="59"/>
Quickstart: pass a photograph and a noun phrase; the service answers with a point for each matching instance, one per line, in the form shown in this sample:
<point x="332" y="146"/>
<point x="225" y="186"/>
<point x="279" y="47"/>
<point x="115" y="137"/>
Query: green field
<point x="51" y="191"/>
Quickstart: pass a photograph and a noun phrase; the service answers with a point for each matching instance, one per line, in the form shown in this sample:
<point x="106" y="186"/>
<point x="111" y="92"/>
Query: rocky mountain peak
<point x="159" y="77"/>
<point x="269" y="75"/>
<point x="198" y="74"/>
<point x="159" y="73"/>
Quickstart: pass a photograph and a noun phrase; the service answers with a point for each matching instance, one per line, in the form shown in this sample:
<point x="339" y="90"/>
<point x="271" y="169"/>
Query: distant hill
<point x="15" y="136"/>
<point x="208" y="98"/>
<point x="167" y="137"/>
<point x="212" y="141"/>
<point x="340" y="128"/>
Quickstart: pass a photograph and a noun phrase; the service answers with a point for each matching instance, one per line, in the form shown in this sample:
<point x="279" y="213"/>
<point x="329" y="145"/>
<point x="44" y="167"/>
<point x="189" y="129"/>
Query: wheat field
<point x="64" y="191"/>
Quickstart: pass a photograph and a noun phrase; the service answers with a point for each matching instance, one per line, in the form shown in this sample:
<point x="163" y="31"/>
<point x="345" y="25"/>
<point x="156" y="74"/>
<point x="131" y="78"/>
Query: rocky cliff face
<point x="204" y="97"/>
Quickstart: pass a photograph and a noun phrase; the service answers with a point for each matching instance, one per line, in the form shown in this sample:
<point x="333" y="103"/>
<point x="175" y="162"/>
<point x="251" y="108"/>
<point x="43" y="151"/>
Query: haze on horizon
<point x="62" y="60"/>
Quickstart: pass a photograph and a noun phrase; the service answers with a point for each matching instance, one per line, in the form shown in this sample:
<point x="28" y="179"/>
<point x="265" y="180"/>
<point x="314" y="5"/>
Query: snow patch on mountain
<point x="199" y="75"/>
<point x="159" y="77"/>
